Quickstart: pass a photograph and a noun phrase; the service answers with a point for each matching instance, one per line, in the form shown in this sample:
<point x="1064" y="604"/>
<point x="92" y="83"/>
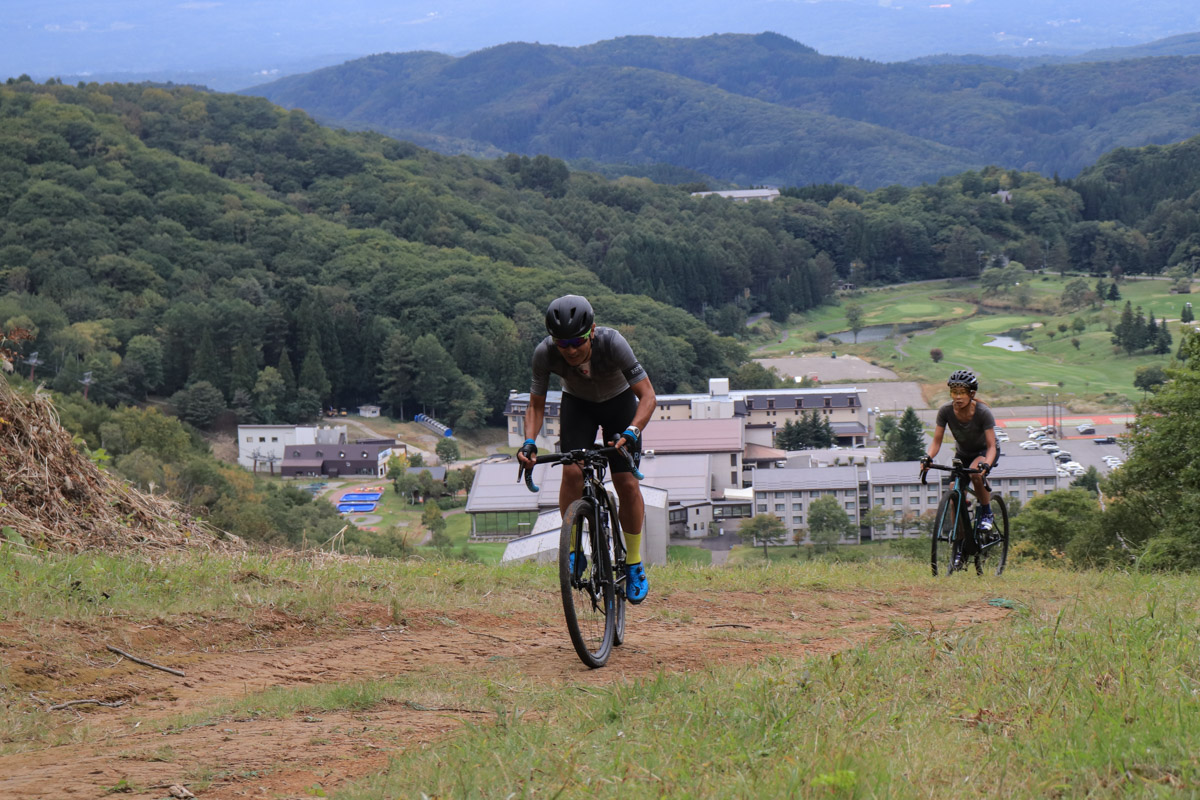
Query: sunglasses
<point x="575" y="342"/>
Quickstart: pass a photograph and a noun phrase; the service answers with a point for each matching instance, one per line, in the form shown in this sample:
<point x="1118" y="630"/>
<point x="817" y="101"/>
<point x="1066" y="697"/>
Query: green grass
<point x="686" y="554"/>
<point x="1088" y="377"/>
<point x="747" y="555"/>
<point x="892" y="306"/>
<point x="1089" y="688"/>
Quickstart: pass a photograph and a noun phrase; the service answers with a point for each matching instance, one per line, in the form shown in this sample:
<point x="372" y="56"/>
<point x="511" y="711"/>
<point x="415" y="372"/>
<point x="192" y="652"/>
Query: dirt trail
<point x="259" y="757"/>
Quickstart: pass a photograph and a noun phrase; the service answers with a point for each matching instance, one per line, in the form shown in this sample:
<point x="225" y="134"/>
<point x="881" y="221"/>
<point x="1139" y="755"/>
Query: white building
<point x="261" y="447"/>
<point x="742" y="195"/>
<point x="761" y="412"/>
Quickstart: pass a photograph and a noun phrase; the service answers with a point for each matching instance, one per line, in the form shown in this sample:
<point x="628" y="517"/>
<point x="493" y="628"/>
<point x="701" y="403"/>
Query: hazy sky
<point x="76" y="36"/>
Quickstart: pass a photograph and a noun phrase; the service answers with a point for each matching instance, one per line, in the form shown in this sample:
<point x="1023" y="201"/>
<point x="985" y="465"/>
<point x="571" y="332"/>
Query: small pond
<point x="877" y="333"/>
<point x="1008" y="343"/>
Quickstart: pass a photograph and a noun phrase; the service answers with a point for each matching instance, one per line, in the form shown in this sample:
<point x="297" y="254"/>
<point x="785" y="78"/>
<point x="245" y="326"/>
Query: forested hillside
<point x="758" y="109"/>
<point x="240" y="259"/>
<point x="234" y="255"/>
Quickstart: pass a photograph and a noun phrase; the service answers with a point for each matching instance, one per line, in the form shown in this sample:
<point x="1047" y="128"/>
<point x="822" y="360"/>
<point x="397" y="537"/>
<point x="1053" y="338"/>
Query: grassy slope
<point x="1091" y="376"/>
<point x="1089" y="687"/>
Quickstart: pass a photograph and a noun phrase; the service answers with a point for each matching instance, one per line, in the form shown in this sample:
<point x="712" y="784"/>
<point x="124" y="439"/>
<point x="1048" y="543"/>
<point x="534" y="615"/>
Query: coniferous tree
<point x="1123" y="331"/>
<point x="827" y="436"/>
<point x="312" y="375"/>
<point x="244" y="369"/>
<point x="1186" y="314"/>
<point x="1163" y="341"/>
<point x="907" y="441"/>
<point x="395" y="375"/>
<point x="1139" y="333"/>
<point x="286" y="372"/>
<point x="206" y="366"/>
<point x="785" y="437"/>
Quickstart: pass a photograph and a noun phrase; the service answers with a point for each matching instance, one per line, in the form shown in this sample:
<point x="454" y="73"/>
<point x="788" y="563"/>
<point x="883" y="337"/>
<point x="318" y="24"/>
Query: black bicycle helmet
<point x="964" y="377"/>
<point x="569" y="316"/>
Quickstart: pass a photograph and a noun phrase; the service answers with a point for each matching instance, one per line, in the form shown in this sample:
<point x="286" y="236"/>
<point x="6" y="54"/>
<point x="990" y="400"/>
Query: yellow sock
<point x="633" y="548"/>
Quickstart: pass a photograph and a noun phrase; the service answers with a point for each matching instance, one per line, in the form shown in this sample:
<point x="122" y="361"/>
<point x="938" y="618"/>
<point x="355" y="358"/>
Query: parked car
<point x="1086" y="428"/>
<point x="1001" y="436"/>
<point x="1031" y="445"/>
<point x="1105" y="440"/>
<point x="1062" y="456"/>
<point x="1046" y="444"/>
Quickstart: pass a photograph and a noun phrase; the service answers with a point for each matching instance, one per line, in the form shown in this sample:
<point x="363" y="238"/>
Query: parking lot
<point x="1083" y="447"/>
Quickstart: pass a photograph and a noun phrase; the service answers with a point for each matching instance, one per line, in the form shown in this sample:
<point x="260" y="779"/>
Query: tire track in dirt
<point x="258" y="756"/>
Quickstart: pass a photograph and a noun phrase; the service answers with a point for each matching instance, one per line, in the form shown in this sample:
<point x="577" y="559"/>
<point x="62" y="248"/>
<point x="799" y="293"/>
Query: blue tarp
<point x="356" y="508"/>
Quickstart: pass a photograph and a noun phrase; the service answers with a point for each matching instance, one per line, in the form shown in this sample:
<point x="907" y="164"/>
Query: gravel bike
<point x="958" y="532"/>
<point x="593" y="582"/>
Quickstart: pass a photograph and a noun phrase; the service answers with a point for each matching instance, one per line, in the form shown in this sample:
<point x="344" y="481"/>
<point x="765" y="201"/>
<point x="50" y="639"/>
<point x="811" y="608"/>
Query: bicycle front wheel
<point x="587" y="589"/>
<point x="993" y="546"/>
<point x="947" y="534"/>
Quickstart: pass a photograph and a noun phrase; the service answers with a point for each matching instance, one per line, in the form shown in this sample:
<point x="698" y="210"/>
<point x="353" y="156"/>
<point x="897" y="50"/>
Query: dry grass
<point x="54" y="497"/>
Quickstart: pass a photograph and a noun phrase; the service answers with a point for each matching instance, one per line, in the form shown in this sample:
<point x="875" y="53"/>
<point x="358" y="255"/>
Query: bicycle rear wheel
<point x="588" y="601"/>
<point x="947" y="533"/>
<point x="993" y="553"/>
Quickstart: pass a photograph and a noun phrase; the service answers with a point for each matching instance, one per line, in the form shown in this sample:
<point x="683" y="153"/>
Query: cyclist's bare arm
<point x="992" y="447"/>
<point x="938" y="433"/>
<point x="643" y="390"/>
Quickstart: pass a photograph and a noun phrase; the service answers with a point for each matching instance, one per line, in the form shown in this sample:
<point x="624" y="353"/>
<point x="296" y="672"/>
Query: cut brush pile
<point x="53" y="497"/>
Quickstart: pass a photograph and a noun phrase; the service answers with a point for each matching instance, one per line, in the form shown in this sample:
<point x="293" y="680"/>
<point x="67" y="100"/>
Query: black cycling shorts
<point x="580" y="419"/>
<point x="968" y="458"/>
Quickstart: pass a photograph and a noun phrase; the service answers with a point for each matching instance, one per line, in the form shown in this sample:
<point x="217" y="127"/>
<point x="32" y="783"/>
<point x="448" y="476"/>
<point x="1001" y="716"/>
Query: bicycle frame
<point x="594" y="465"/>
<point x="957" y="497"/>
<point x="591" y="528"/>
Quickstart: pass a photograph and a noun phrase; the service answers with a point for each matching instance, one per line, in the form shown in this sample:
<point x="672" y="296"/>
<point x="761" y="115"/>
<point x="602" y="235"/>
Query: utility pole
<point x="33" y="361"/>
<point x="87" y="383"/>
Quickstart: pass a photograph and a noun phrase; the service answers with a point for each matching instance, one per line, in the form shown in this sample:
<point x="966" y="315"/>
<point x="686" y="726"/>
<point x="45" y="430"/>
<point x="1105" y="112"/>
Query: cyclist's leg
<point x="982" y="493"/>
<point x="577" y="425"/>
<point x="632" y="510"/>
<point x="618" y="413"/>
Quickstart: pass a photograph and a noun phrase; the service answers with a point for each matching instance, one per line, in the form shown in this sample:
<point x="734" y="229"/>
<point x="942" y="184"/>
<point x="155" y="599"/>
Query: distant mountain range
<point x="759" y="109"/>
<point x="218" y="41"/>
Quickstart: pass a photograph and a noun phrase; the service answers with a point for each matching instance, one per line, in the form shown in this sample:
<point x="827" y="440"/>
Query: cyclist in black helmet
<point x="604" y="387"/>
<point x="974" y="429"/>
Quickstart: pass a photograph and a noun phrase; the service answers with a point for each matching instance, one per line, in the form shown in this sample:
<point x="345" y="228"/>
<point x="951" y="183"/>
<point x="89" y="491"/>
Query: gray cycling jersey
<point x="969" y="436"/>
<point x="612" y="369"/>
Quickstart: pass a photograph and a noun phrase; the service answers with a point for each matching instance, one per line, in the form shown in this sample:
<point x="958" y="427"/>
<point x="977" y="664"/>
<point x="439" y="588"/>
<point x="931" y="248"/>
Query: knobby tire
<point x="589" y="597"/>
<point x="947" y="533"/>
<point x="994" y="553"/>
